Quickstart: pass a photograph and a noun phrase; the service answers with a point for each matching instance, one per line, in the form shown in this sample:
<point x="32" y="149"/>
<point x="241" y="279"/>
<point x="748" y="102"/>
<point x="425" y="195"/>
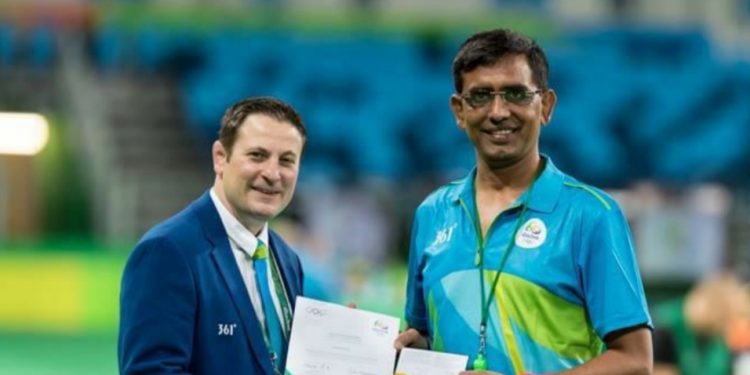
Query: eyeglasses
<point x="514" y="95"/>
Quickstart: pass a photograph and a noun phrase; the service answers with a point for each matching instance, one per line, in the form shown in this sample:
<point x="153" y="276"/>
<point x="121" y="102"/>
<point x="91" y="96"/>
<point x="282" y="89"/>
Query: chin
<point x="264" y="213"/>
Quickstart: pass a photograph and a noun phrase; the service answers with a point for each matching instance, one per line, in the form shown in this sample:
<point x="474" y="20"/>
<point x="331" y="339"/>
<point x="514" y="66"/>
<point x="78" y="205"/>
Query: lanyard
<point x="480" y="363"/>
<point x="281" y="295"/>
<point x="286" y="313"/>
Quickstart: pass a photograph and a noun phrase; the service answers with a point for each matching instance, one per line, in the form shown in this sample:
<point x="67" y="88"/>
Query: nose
<point x="498" y="109"/>
<point x="271" y="172"/>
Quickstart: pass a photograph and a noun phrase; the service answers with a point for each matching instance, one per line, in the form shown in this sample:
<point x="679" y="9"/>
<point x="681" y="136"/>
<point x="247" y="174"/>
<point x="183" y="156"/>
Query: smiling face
<point x="255" y="179"/>
<point x="503" y="133"/>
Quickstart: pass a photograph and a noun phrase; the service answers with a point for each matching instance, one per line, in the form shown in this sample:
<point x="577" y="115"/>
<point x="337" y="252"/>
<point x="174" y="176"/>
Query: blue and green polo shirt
<point x="571" y="277"/>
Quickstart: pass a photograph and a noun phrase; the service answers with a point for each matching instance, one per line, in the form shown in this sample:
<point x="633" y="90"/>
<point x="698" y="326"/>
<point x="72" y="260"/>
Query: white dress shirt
<point x="243" y="244"/>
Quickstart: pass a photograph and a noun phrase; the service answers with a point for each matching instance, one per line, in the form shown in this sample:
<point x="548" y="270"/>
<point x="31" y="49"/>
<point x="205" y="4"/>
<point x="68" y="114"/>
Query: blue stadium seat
<point x="7" y="45"/>
<point x="618" y="90"/>
<point x="108" y="48"/>
<point x="43" y="46"/>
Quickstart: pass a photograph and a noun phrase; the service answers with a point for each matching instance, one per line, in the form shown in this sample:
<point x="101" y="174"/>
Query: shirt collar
<point x="548" y="187"/>
<point x="546" y="192"/>
<point x="241" y="236"/>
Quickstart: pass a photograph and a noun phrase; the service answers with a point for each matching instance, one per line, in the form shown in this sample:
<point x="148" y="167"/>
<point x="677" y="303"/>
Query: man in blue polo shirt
<point x="520" y="266"/>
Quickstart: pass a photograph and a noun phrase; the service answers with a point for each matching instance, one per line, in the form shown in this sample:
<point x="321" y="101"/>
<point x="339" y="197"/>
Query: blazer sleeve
<point x="157" y="310"/>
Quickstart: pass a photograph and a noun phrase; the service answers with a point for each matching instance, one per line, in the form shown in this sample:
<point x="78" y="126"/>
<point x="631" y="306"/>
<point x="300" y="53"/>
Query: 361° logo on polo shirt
<point x="532" y="234"/>
<point x="444" y="235"/>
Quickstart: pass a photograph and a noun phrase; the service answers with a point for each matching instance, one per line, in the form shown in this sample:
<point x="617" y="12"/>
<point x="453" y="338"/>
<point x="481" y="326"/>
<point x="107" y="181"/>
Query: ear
<point x="457" y="106"/>
<point x="549" y="99"/>
<point x="219" y="157"/>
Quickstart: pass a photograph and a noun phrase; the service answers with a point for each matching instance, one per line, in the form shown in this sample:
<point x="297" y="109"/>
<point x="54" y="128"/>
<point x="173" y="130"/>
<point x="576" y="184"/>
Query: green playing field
<point x="59" y="308"/>
<point x="34" y="354"/>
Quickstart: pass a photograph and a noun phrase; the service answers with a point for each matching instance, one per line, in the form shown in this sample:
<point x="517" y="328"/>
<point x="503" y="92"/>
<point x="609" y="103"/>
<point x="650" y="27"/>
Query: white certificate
<point x="330" y="339"/>
<point x="425" y="362"/>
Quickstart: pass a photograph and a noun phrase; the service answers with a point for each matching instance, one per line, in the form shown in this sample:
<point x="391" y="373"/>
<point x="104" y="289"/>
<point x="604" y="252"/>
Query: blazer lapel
<point x="227" y="266"/>
<point x="285" y="265"/>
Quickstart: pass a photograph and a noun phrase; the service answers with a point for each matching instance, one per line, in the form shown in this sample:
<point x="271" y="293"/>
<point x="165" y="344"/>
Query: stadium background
<point x="653" y="106"/>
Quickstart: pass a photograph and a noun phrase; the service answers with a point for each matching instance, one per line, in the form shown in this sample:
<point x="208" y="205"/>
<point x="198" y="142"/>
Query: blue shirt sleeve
<point x="416" y="311"/>
<point x="609" y="272"/>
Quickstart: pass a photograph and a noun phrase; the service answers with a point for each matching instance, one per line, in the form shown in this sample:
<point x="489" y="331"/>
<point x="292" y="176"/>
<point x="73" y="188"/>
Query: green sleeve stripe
<point x="590" y="191"/>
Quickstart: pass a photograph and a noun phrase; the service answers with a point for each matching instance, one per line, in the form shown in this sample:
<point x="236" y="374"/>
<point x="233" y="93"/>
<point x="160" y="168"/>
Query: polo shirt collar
<point x="548" y="187"/>
<point x="544" y="198"/>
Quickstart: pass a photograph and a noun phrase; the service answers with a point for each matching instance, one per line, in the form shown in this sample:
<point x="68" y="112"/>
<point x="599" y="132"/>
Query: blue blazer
<point x="184" y="308"/>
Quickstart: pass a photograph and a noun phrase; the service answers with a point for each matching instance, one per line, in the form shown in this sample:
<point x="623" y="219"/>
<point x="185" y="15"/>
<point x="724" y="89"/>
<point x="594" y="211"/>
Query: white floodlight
<point x="22" y="133"/>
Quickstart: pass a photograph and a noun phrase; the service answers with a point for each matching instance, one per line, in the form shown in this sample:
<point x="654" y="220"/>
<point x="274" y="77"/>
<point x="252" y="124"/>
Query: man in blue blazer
<point x="211" y="290"/>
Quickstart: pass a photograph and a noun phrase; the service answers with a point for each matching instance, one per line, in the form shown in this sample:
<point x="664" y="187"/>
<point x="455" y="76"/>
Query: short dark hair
<point x="488" y="47"/>
<point x="236" y="114"/>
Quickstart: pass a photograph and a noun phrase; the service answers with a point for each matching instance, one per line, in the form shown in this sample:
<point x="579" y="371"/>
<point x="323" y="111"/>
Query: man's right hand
<point x="410" y="338"/>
